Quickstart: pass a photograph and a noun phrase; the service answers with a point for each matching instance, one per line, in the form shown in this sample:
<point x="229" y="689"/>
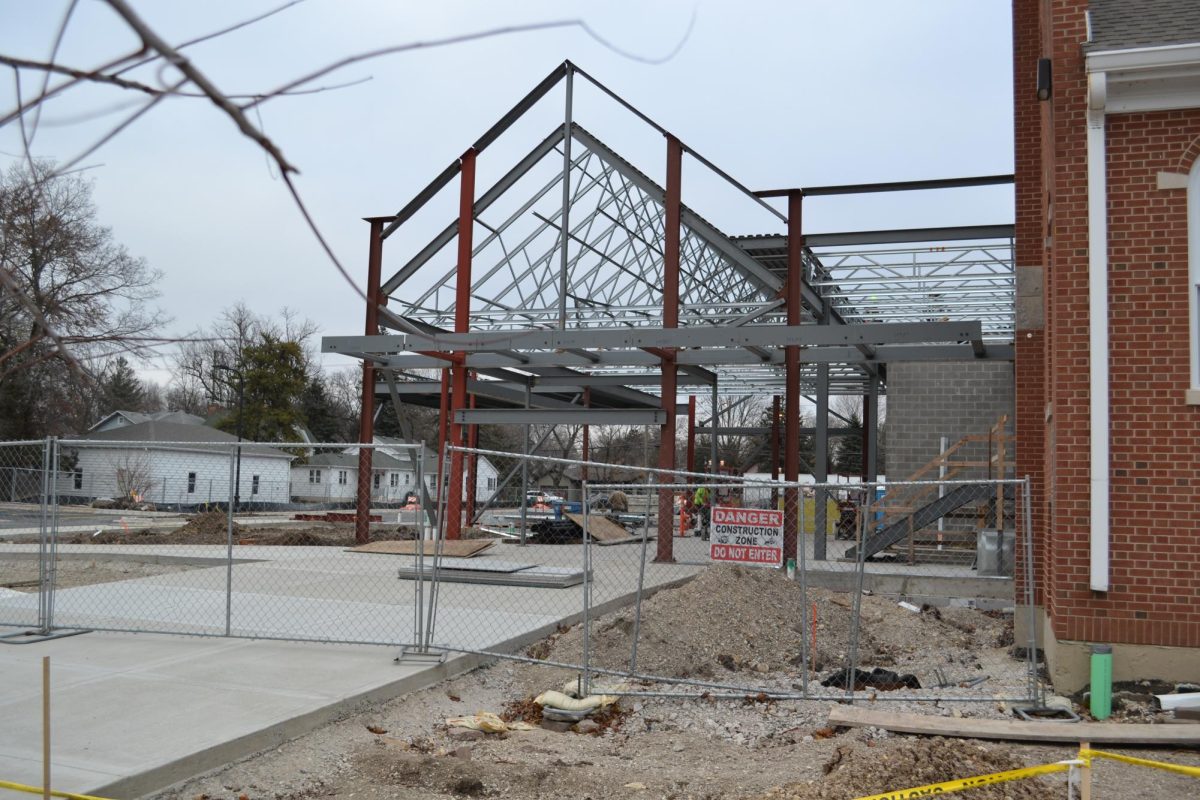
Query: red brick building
<point x="1107" y="124"/>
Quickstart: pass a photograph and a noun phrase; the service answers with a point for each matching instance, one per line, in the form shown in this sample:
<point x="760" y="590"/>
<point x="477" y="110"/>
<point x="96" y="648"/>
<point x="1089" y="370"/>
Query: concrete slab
<point x="134" y="713"/>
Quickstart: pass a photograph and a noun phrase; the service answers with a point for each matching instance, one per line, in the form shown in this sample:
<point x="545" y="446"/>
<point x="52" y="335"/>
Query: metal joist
<point x="558" y="416"/>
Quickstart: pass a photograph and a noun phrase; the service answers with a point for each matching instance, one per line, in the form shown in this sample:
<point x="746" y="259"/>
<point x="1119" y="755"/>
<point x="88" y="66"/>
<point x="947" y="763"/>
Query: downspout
<point x="1098" y="329"/>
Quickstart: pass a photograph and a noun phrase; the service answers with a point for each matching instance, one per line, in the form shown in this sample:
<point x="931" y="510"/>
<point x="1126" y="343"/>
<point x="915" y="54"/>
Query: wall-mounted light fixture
<point x="1043" y="79"/>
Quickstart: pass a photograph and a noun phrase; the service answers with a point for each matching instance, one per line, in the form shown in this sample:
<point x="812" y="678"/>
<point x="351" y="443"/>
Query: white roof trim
<point x="1143" y="58"/>
<point x="1148" y="78"/>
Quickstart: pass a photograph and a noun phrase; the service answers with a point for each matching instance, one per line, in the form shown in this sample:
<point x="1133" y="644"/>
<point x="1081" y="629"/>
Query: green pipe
<point x="1101" y="689"/>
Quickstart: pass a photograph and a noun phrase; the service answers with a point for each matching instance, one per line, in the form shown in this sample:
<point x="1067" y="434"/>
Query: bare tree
<point x="69" y="294"/>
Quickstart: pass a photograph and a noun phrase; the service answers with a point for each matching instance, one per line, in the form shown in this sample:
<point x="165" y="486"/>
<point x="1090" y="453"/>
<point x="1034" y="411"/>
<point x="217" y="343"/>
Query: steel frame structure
<point x="593" y="295"/>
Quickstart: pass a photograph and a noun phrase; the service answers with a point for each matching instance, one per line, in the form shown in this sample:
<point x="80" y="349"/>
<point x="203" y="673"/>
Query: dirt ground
<point x="213" y="528"/>
<point x="663" y="747"/>
<point x="21" y="575"/>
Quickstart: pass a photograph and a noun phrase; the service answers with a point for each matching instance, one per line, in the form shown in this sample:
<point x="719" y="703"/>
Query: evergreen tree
<point x="274" y="382"/>
<point x="848" y="458"/>
<point x="121" y="389"/>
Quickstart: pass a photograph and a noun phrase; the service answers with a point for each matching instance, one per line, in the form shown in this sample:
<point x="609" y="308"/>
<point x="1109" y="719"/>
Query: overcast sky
<point x="777" y="94"/>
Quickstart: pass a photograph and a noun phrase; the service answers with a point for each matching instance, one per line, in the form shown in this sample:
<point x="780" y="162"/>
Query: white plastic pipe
<point x="1098" y="329"/>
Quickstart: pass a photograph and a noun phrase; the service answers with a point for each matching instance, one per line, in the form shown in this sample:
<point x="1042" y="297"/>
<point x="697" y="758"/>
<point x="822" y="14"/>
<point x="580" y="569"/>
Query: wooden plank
<point x="600" y="528"/>
<point x="454" y="548"/>
<point x="1015" y="730"/>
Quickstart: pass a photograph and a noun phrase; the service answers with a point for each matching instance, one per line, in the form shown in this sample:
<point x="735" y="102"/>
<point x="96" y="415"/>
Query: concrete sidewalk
<point x="135" y="712"/>
<point x="132" y="713"/>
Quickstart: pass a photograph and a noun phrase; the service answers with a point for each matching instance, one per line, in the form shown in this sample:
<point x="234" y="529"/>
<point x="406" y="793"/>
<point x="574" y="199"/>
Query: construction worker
<point x="702" y="500"/>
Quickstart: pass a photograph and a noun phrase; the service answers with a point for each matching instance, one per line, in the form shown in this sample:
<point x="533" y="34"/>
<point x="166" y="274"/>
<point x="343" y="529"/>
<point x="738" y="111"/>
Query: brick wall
<point x="926" y="401"/>
<point x="1155" y="467"/>
<point x="1029" y="159"/>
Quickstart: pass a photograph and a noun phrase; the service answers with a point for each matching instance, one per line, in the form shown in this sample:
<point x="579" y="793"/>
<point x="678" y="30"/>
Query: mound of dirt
<point x="732" y="619"/>
<point x="856" y="770"/>
<point x="209" y="527"/>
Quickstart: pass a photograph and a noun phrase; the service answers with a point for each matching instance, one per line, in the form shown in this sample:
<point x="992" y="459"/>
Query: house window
<point x="314" y="476"/>
<point x="407" y="478"/>
<point x="254" y="484"/>
<point x="491" y="484"/>
<point x="394" y="479"/>
<point x="191" y="482"/>
<point x="342" y="476"/>
<point x="378" y="476"/>
<point x="77" y="479"/>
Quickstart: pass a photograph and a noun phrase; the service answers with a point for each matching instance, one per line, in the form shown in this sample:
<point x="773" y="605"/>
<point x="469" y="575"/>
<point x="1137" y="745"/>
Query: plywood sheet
<point x="454" y="548"/>
<point x="600" y="528"/>
<point x="1015" y="730"/>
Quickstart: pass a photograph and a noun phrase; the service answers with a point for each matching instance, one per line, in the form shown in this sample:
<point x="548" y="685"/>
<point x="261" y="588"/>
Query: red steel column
<point x="462" y="319"/>
<point x="666" y="445"/>
<point x="366" y="422"/>
<point x="791" y="360"/>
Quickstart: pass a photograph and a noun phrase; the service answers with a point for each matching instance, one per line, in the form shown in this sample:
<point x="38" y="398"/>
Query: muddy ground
<point x="662" y="747"/>
<point x="21" y="575"/>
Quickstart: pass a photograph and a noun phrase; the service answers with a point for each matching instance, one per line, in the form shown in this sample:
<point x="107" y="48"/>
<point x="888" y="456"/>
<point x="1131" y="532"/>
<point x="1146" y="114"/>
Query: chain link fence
<point x="213" y="539"/>
<point x="900" y="591"/>
<point x="641" y="581"/>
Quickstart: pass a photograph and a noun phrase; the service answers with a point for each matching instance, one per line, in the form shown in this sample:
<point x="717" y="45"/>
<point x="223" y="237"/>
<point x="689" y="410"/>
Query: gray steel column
<point x="821" y="463"/>
<point x="871" y="426"/>
<point x="715" y="423"/>
<point x="525" y="465"/>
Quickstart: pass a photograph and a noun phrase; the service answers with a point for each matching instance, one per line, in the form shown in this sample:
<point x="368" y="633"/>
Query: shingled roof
<point x="1128" y="24"/>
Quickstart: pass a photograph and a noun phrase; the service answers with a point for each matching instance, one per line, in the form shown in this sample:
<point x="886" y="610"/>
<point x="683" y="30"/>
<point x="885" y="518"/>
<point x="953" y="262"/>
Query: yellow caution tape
<point x="20" y="787"/>
<point x="1193" y="772"/>
<point x="968" y="783"/>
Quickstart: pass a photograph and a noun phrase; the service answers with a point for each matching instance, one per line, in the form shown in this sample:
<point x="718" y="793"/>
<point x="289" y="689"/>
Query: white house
<point x="487" y="477"/>
<point x="172" y="464"/>
<point x="332" y="477"/>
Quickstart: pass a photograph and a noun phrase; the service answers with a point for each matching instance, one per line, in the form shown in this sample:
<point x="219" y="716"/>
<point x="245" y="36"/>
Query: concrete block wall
<point x="926" y="401"/>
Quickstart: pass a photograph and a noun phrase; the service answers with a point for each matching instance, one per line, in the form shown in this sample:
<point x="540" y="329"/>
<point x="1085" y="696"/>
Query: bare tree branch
<point x="62" y="32"/>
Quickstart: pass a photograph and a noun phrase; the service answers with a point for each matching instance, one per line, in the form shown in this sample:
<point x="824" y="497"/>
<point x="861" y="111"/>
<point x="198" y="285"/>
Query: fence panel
<point x="944" y="554"/>
<point x="25" y="568"/>
<point x="903" y="591"/>
<point x="233" y="539"/>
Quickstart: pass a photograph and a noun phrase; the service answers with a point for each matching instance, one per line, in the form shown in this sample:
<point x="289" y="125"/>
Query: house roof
<point x="181" y="434"/>
<point x="379" y="460"/>
<point x="1128" y="24"/>
<point x="136" y="417"/>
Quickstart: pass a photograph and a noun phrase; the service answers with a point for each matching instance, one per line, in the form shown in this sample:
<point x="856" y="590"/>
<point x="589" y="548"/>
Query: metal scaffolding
<point x="578" y="290"/>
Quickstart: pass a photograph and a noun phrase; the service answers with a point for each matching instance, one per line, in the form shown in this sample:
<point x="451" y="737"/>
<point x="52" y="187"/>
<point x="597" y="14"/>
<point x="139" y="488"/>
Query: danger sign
<point x="747" y="535"/>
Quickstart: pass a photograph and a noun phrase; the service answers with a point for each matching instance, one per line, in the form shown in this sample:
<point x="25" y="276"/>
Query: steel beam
<point x="561" y="416"/>
<point x="821" y="462"/>
<point x="489" y="136"/>
<point x="708" y="358"/>
<point x="696" y="336"/>
<point x="904" y="235"/>
<point x="791" y="396"/>
<point x="366" y="428"/>
<point x="892" y="186"/>
<point x="462" y="321"/>
<point x="670" y="320"/>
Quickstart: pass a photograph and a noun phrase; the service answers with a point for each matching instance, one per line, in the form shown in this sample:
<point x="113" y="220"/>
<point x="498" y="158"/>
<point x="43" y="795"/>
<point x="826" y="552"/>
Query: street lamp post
<point x="237" y="479"/>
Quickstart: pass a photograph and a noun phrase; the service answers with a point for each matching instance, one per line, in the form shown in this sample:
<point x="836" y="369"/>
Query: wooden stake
<point x="1085" y="776"/>
<point x="46" y="727"/>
